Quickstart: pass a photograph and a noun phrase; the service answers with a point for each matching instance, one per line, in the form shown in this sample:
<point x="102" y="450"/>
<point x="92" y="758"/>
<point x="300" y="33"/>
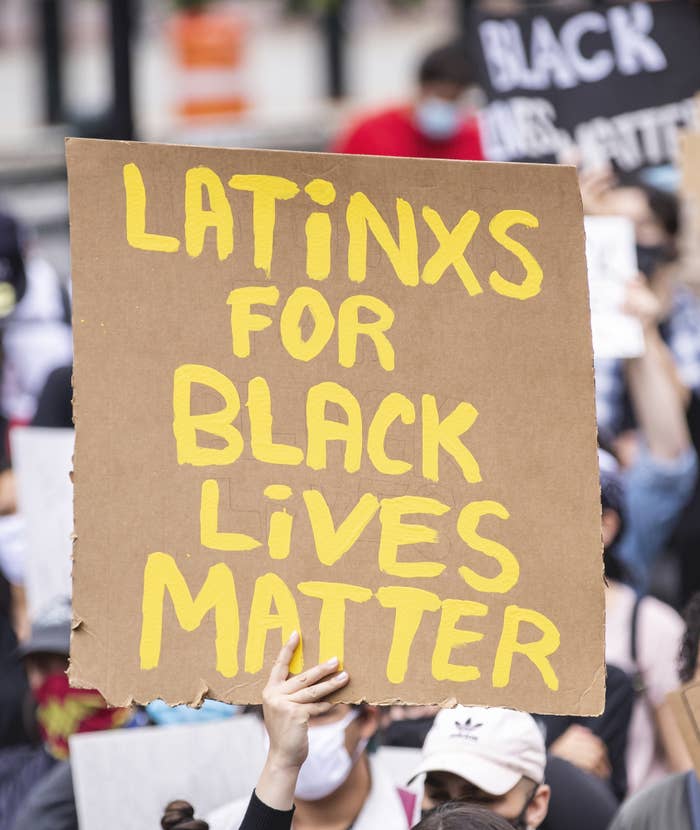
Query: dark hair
<point x="448" y="63"/>
<point x="179" y="815"/>
<point x="688" y="657"/>
<point x="664" y="206"/>
<point x="457" y="816"/>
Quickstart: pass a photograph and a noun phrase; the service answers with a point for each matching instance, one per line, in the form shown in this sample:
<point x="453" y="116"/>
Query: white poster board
<point x="612" y="264"/>
<point x="124" y="778"/>
<point x="42" y="459"/>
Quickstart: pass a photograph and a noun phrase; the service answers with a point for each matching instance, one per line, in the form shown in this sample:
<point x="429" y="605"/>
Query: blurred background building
<point x="266" y="73"/>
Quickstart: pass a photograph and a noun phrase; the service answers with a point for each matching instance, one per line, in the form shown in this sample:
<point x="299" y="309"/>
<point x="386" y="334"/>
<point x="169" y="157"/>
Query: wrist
<point x="281" y="765"/>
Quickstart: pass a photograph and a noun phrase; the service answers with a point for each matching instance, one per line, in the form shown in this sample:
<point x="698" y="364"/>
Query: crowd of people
<point x="480" y="768"/>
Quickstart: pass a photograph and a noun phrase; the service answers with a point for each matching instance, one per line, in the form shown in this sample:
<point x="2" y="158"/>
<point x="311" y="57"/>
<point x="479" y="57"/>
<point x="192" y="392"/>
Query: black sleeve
<point x="261" y="817"/>
<point x="579" y="801"/>
<point x="611" y="727"/>
<point x="55" y="406"/>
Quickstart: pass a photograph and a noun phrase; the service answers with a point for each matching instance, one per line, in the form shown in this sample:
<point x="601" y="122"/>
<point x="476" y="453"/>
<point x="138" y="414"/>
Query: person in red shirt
<point x="437" y="124"/>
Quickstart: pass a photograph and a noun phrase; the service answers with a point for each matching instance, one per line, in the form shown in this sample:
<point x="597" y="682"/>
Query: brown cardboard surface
<point x="498" y="543"/>
<point x="690" y="206"/>
<point x="685" y="705"/>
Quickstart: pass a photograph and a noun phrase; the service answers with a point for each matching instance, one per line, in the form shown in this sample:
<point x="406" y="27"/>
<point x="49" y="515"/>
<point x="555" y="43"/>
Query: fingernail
<point x="332" y="662"/>
<point x="293" y="636"/>
<point x="342" y="676"/>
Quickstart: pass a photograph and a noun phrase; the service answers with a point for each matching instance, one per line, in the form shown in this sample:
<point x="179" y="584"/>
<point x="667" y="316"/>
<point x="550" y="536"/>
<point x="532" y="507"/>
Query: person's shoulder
<point x="228" y="816"/>
<point x="660" y="615"/>
<point x="364" y="130"/>
<point x="655" y="806"/>
<point x="382" y="117"/>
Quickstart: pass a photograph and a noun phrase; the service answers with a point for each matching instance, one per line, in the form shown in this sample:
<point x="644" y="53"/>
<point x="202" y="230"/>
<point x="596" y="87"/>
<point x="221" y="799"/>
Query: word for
<point x="560" y="60"/>
<point x="207" y="206"/>
<point x="436" y="432"/>
<point x="305" y="303"/>
<point x="274" y="607"/>
<point x="332" y="541"/>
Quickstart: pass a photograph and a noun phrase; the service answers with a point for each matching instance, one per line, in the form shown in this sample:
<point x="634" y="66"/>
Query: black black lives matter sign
<point x="605" y="83"/>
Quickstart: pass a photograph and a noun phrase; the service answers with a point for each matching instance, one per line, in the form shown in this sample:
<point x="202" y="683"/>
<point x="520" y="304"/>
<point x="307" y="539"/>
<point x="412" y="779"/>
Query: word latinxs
<point x="361" y="217"/>
<point x="260" y="314"/>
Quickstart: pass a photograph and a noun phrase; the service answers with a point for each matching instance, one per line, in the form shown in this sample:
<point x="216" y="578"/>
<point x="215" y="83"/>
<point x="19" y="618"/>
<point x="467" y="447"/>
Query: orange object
<point x="208" y="47"/>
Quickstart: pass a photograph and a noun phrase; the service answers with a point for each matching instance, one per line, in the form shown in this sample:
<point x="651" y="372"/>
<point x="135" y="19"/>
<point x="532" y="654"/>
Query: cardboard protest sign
<point x="612" y="265"/>
<point x="42" y="461"/>
<point x="350" y="396"/>
<point x="685" y="705"/>
<point x="614" y="82"/>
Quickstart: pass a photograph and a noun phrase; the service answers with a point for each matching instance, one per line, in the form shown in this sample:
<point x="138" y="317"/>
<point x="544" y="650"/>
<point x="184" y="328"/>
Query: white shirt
<point x="382" y="810"/>
<point x="659" y="634"/>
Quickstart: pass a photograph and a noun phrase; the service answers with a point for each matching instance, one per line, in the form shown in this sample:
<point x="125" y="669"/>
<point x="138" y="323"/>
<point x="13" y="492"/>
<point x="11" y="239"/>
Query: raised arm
<point x="288" y="703"/>
<point x="657" y="395"/>
<point x="661" y="477"/>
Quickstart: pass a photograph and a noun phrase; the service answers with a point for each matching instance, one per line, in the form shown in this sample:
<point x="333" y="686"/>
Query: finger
<point x="280" y="668"/>
<point x="318" y="691"/>
<point x="308" y="678"/>
<point x="320" y="708"/>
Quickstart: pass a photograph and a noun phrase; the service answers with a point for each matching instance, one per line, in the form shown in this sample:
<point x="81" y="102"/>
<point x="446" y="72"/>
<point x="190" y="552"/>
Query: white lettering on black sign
<point x="617" y="83"/>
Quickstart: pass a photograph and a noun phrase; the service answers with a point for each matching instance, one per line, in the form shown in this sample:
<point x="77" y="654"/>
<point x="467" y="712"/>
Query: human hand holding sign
<point x="288" y="703"/>
<point x="642" y="303"/>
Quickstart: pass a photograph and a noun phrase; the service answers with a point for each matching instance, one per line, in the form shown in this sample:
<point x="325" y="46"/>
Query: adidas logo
<point x="466" y="729"/>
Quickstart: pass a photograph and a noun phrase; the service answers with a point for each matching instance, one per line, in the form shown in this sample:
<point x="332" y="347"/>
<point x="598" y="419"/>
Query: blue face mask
<point x="437" y="118"/>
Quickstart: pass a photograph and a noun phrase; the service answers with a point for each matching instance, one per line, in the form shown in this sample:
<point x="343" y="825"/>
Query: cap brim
<point x="482" y="773"/>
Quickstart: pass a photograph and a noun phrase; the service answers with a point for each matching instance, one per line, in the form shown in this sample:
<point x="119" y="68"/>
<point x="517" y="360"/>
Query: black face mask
<point x="651" y="257"/>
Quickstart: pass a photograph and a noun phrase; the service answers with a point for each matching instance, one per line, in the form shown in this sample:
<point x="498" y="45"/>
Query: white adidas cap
<point x="490" y="748"/>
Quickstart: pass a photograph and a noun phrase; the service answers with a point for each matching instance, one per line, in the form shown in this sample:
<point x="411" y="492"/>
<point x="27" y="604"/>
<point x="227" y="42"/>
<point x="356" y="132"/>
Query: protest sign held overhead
<point x="42" y="459"/>
<point x="603" y="84"/>
<point x="612" y="265"/>
<point x="349" y="396"/>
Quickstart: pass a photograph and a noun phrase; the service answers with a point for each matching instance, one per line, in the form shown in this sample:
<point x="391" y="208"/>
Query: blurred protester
<point x="579" y="800"/>
<point x="179" y="815"/>
<point x="36" y="790"/>
<point x="665" y="804"/>
<point x="689" y="662"/>
<point x="673" y="802"/>
<point x="455" y="816"/>
<point x="316" y="768"/>
<point x="597" y="745"/>
<point x="36" y="339"/>
<point x="407" y="726"/>
<point x="492" y="757"/>
<point x="642" y="637"/>
<point x="496" y="758"/>
<point x="439" y="123"/>
<point x="640" y="504"/>
<point x="651" y="394"/>
<point x="55" y="403"/>
<point x="13" y="683"/>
